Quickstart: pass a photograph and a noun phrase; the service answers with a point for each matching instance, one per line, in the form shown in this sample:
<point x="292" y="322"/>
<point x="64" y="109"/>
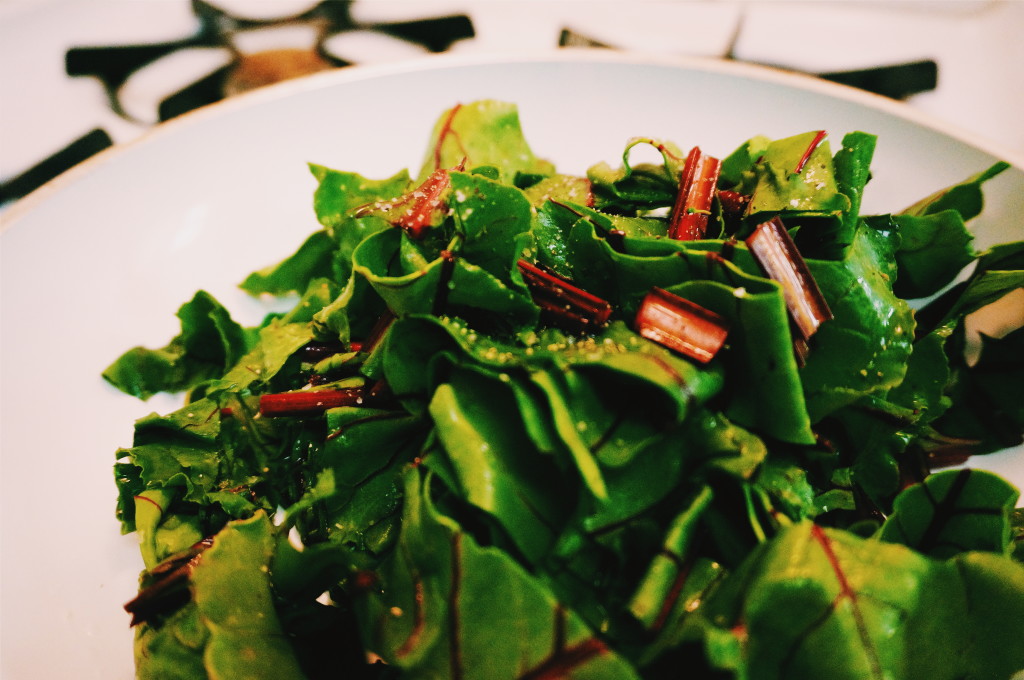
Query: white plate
<point x="100" y="260"/>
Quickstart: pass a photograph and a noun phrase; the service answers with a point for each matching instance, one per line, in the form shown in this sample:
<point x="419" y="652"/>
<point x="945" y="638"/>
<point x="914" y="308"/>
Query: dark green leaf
<point x="953" y="512"/>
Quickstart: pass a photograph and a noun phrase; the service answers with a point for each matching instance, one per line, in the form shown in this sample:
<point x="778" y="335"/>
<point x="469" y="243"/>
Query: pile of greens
<point x="418" y="473"/>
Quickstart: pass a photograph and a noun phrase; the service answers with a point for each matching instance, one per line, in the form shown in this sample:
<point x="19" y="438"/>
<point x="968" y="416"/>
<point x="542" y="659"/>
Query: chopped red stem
<point x="681" y="325"/>
<point x="561" y="302"/>
<point x="818" y="139"/>
<point x="773" y="248"/>
<point x="308" y="402"/>
<point x="733" y="203"/>
<point x="414" y="211"/>
<point x="689" y="221"/>
<point x="168" y="590"/>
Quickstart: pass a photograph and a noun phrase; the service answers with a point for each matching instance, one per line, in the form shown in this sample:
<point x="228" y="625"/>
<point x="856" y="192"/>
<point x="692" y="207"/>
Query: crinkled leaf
<point x="989" y="398"/>
<point x="965" y="197"/>
<point x="482" y="133"/>
<point x="865" y="348"/>
<point x="209" y="343"/>
<point x="953" y="512"/>
<point x="819" y="602"/>
<point x="231" y="589"/>
<point x="313" y="259"/>
<point x="450" y="607"/>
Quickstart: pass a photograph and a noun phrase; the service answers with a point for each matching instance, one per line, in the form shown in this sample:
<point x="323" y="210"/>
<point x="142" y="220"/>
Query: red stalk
<point x="167" y="590"/>
<point x="562" y="303"/>
<point x="308" y="402"/>
<point x="689" y="220"/>
<point x="773" y="248"/>
<point x="415" y="211"/>
<point x="681" y="325"/>
<point x="733" y="203"/>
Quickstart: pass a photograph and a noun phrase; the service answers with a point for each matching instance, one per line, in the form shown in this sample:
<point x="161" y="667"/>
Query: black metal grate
<point x="113" y="65"/>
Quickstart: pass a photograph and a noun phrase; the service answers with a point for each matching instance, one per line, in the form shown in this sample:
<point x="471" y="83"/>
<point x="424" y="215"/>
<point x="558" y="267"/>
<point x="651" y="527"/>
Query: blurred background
<point x="78" y="76"/>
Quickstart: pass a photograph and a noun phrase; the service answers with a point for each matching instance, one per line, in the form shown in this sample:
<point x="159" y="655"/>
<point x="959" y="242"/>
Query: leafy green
<point x="865" y="349"/>
<point x="819" y="602"/>
<point x="953" y="512"/>
<point x="468" y="485"/>
<point x="209" y="343"/>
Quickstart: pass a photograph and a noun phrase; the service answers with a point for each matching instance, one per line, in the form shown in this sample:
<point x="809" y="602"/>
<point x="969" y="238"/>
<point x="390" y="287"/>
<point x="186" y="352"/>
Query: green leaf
<point x="768" y="396"/>
<point x="417" y="290"/>
<point x="482" y="133"/>
<point x="637" y="187"/>
<point x="495" y="466"/>
<point x="865" y="349"/>
<point x="209" y="343"/>
<point x="953" y="512"/>
<point x="231" y="588"/>
<point x="659" y="593"/>
<point x="490" y="217"/>
<point x="448" y="606"/>
<point x="339" y="193"/>
<point x="277" y="343"/>
<point x="965" y="197"/>
<point x="313" y="259"/>
<point x="933" y="249"/>
<point x="172" y="651"/>
<point x="1000" y="269"/>
<point x="853" y="171"/>
<point x="824" y="603"/>
<point x="559" y="188"/>
<point x="780" y="190"/>
<point x="988" y="397"/>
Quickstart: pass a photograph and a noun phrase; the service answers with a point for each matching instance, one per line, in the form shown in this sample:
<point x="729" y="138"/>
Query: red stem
<point x="689" y="221"/>
<point x="308" y="402"/>
<point x="561" y="302"/>
<point x="681" y="325"/>
<point x="773" y="248"/>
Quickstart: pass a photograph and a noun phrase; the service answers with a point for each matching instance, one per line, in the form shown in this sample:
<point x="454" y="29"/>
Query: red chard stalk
<point x="774" y="250"/>
<point x="563" y="304"/>
<point x="419" y="209"/>
<point x="309" y="402"/>
<point x="681" y="325"/>
<point x="692" y="208"/>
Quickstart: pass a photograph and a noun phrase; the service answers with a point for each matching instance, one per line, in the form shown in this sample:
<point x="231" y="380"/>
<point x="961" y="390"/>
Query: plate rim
<point x="454" y="60"/>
